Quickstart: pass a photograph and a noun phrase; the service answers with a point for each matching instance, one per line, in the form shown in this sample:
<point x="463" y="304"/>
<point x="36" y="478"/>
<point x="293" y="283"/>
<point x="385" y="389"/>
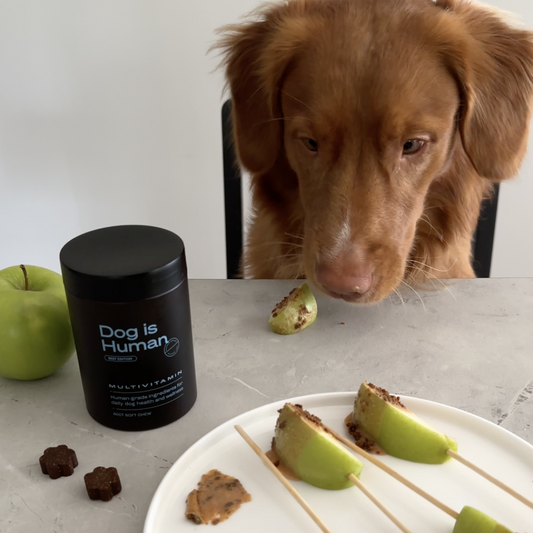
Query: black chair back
<point x="232" y="197"/>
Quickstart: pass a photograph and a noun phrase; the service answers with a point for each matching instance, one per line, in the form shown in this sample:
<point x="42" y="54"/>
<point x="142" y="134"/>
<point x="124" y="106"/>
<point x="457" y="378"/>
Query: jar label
<point x="136" y="359"/>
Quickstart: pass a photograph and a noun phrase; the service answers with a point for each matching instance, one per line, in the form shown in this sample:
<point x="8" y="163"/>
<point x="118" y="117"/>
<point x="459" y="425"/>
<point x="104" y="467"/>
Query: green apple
<point x="295" y="312"/>
<point x="396" y="429"/>
<point x="471" y="520"/>
<point x="315" y="456"/>
<point x="35" y="332"/>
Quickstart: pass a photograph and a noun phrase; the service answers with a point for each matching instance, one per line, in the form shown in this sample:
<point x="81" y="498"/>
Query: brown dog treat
<point x="58" y="461"/>
<point x="102" y="483"/>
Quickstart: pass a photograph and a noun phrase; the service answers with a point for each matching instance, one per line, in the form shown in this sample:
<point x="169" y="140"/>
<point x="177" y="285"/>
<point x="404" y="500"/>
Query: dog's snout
<point x="345" y="279"/>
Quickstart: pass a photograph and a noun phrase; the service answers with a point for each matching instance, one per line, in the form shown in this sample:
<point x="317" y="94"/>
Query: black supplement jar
<point x="128" y="299"/>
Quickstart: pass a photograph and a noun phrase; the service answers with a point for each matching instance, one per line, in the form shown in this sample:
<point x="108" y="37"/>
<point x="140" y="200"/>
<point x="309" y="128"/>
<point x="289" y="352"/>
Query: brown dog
<point x="372" y="130"/>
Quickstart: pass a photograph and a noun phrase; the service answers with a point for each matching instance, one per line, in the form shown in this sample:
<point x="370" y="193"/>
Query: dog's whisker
<point x="427" y="276"/>
<point x="424" y="217"/>
<point x="421" y="270"/>
<point x="445" y="287"/>
<point x="294" y="273"/>
<point x="398" y="293"/>
<point x="419" y="297"/>
<point x="431" y="277"/>
<point x="431" y="281"/>
<point x="294" y="236"/>
<point x="280" y="243"/>
<point x="425" y="265"/>
<point x="298" y="100"/>
<point x="281" y="118"/>
<point x="283" y="256"/>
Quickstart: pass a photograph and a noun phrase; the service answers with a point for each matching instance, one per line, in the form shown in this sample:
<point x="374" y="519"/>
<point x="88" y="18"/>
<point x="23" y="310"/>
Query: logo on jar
<point x="171" y="347"/>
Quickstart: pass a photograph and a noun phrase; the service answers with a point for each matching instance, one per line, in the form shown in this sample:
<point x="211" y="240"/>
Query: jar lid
<point x="123" y="263"/>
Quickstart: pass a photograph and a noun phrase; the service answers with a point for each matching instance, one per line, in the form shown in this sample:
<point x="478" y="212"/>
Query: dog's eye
<point x="412" y="146"/>
<point x="310" y="144"/>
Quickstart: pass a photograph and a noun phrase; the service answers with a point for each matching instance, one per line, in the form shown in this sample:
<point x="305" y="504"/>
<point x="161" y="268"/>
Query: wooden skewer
<point x="299" y="498"/>
<point x="490" y="478"/>
<point x="420" y="491"/>
<point x="268" y="463"/>
<point x="369" y="457"/>
<point x="376" y="502"/>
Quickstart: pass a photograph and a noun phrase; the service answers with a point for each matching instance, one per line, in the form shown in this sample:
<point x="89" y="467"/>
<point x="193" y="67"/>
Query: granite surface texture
<point x="467" y="345"/>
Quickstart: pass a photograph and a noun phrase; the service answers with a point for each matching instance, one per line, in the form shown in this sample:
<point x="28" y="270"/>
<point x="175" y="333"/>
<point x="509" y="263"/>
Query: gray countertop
<point x="469" y="345"/>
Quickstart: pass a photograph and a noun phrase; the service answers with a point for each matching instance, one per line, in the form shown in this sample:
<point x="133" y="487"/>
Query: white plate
<point x="273" y="509"/>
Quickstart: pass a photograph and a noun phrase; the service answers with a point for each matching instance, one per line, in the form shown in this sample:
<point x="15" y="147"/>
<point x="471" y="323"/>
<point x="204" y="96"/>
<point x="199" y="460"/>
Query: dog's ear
<point x="493" y="63"/>
<point x="256" y="56"/>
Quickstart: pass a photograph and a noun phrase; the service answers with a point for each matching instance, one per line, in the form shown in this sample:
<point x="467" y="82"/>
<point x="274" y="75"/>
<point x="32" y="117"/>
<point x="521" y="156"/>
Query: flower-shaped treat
<point x="58" y="461"/>
<point x="102" y="483"/>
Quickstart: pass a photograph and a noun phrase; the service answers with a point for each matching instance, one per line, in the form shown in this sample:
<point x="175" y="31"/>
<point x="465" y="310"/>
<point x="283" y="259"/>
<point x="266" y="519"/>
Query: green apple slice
<point x="315" y="456"/>
<point x="295" y="312"/>
<point x="471" y="520"/>
<point x="396" y="429"/>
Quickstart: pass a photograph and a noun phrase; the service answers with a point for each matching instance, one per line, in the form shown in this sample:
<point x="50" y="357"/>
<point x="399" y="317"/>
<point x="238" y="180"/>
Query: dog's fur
<point x="372" y="130"/>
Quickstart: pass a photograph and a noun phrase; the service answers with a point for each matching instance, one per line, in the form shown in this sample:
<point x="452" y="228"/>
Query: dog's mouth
<point x="353" y="298"/>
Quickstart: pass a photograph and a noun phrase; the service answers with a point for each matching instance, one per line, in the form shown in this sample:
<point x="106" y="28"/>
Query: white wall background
<point x="110" y="114"/>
